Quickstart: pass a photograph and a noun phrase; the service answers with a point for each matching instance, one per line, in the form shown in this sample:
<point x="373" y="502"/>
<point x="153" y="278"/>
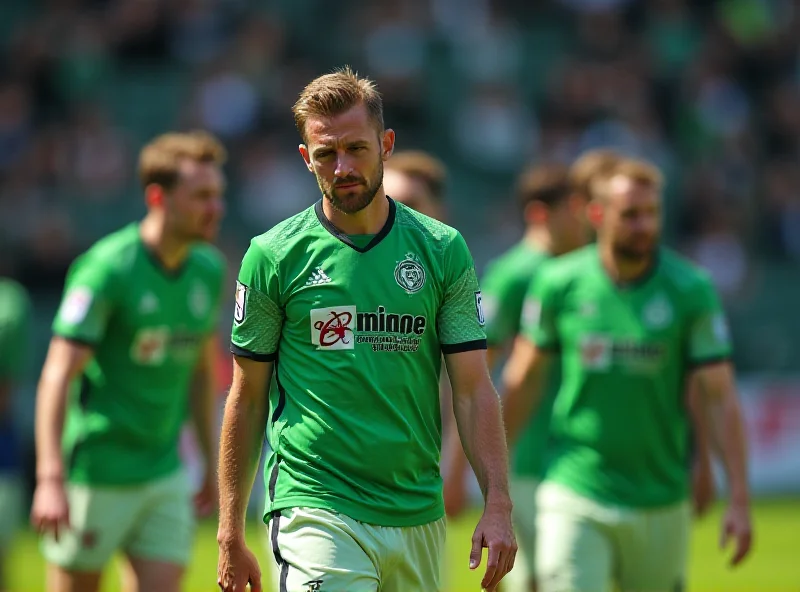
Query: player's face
<point x="410" y="191"/>
<point x="346" y="154"/>
<point x="632" y="219"/>
<point x="195" y="206"/>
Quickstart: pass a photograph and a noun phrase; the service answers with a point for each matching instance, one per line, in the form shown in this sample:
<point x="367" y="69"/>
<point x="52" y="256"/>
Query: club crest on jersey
<point x="409" y="274"/>
<point x="657" y="314"/>
<point x="240" y="305"/>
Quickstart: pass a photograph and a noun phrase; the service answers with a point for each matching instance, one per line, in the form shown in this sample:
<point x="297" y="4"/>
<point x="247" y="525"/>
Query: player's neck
<point x="540" y="238"/>
<point x="170" y="253"/>
<point x="624" y="271"/>
<point x="370" y="220"/>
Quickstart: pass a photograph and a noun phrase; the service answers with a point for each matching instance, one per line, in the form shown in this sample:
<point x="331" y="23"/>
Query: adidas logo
<point x="318" y="277"/>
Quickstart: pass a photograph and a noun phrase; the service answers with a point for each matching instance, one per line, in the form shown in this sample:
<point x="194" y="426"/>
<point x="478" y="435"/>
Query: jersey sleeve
<point x="88" y="301"/>
<point x="709" y="338"/>
<point x="15" y="321"/>
<point x="539" y="311"/>
<point x="503" y="296"/>
<point x="460" y="320"/>
<point x="257" y="317"/>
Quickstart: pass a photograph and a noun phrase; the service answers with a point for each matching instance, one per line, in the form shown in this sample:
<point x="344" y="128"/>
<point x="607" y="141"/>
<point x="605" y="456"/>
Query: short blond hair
<point x="335" y="93"/>
<point x="160" y="159"/>
<point x="589" y="166"/>
<point x="639" y="171"/>
<point x="422" y="166"/>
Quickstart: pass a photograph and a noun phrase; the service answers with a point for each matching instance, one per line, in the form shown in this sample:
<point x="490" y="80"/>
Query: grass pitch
<point x="774" y="565"/>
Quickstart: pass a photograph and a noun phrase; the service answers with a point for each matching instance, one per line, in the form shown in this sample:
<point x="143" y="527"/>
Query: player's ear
<point x="306" y="156"/>
<point x="536" y="212"/>
<point x="387" y="144"/>
<point x="154" y="196"/>
<point x="594" y="212"/>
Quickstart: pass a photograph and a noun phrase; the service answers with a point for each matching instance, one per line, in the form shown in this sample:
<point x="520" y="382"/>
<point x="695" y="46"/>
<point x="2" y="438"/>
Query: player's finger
<point x="743" y="544"/>
<point x="502" y="568"/>
<point x="477" y="550"/>
<point x="492" y="562"/>
<point x="723" y="535"/>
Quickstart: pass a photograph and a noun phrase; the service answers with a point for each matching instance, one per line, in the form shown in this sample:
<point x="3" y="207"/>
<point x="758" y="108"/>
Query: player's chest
<point x="165" y="323"/>
<point x="348" y="298"/>
<point x="638" y="331"/>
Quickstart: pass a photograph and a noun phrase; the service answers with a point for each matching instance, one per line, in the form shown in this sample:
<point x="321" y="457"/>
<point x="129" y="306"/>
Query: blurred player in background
<point x="15" y="323"/>
<point x="353" y="301"/>
<point x="631" y="321"/>
<point x="552" y="199"/>
<point x="417" y="179"/>
<point x="135" y="336"/>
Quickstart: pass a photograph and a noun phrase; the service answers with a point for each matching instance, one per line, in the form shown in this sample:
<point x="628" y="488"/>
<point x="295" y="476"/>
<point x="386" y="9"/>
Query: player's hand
<point x="495" y="532"/>
<point x="50" y="509"/>
<point x="455" y="494"/>
<point x="736" y="525"/>
<point x="237" y="567"/>
<point x="206" y="497"/>
<point x="703" y="488"/>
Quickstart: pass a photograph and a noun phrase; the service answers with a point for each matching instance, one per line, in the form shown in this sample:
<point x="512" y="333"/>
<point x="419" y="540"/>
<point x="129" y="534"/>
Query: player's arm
<point x="477" y="410"/>
<point x="201" y="401"/>
<point x="79" y="325"/>
<point x="257" y="324"/>
<point x="525" y="373"/>
<point x="709" y="351"/>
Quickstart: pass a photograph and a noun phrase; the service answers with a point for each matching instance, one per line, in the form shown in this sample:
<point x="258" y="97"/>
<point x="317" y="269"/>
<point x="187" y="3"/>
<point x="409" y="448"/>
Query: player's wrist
<point x="227" y="537"/>
<point x="498" y="501"/>
<point x="50" y="478"/>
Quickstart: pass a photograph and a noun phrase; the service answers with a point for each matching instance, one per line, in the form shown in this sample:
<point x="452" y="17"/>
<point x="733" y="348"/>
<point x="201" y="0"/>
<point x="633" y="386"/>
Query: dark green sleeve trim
<point x="76" y="340"/>
<point x="695" y="364"/>
<point x="457" y="348"/>
<point x="243" y="353"/>
<point x="550" y="348"/>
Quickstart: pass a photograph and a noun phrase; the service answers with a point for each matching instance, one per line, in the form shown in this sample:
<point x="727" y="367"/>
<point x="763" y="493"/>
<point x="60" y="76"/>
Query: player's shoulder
<point x="276" y="242"/>
<point x="13" y="295"/>
<point x="115" y="251"/>
<point x="435" y="232"/>
<point x="571" y="266"/>
<point x="209" y="258"/>
<point x="682" y="273"/>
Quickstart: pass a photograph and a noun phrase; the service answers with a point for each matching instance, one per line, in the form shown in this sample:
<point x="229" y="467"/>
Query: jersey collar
<point x="328" y="225"/>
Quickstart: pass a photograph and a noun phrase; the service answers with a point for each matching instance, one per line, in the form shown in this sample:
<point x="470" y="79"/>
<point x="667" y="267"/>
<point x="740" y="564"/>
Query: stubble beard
<point x="355" y="202"/>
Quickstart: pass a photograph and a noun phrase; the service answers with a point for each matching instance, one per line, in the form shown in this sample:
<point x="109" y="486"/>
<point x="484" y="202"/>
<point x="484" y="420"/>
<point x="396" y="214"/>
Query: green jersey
<point x="504" y="287"/>
<point x="147" y="327"/>
<point x="619" y="429"/>
<point x="357" y="328"/>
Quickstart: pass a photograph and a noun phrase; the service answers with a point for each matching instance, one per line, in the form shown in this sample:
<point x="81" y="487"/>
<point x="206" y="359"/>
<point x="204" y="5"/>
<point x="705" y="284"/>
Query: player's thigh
<point x="11" y="502"/>
<point x="145" y="575"/>
<point x="100" y="520"/>
<point x="654" y="550"/>
<point x="523" y="494"/>
<point x="320" y="550"/>
<point x="60" y="579"/>
<point x="574" y="553"/>
<point x="165" y="526"/>
<point x="416" y="554"/>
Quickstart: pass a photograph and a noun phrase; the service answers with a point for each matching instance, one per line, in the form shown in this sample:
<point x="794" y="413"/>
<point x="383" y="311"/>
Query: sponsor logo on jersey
<point x="240" y="303"/>
<point x="657" y="314"/>
<point x="76" y="305"/>
<point x="150" y="344"/>
<point x="148" y="304"/>
<point x="199" y="300"/>
<point x="331" y="328"/>
<point x="600" y="352"/>
<point x="341" y="327"/>
<point x="409" y="274"/>
<point x="318" y="277"/>
<point x="479" y="308"/>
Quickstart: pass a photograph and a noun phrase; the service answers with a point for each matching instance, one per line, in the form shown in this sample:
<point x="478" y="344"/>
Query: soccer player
<point x="352" y="303"/>
<point x="15" y="320"/>
<point x="134" y="336"/>
<point x="631" y="321"/>
<point x="553" y="204"/>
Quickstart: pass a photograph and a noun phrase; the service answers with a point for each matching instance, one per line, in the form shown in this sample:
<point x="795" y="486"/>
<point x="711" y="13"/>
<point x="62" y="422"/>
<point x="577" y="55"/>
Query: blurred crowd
<point x="708" y="90"/>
